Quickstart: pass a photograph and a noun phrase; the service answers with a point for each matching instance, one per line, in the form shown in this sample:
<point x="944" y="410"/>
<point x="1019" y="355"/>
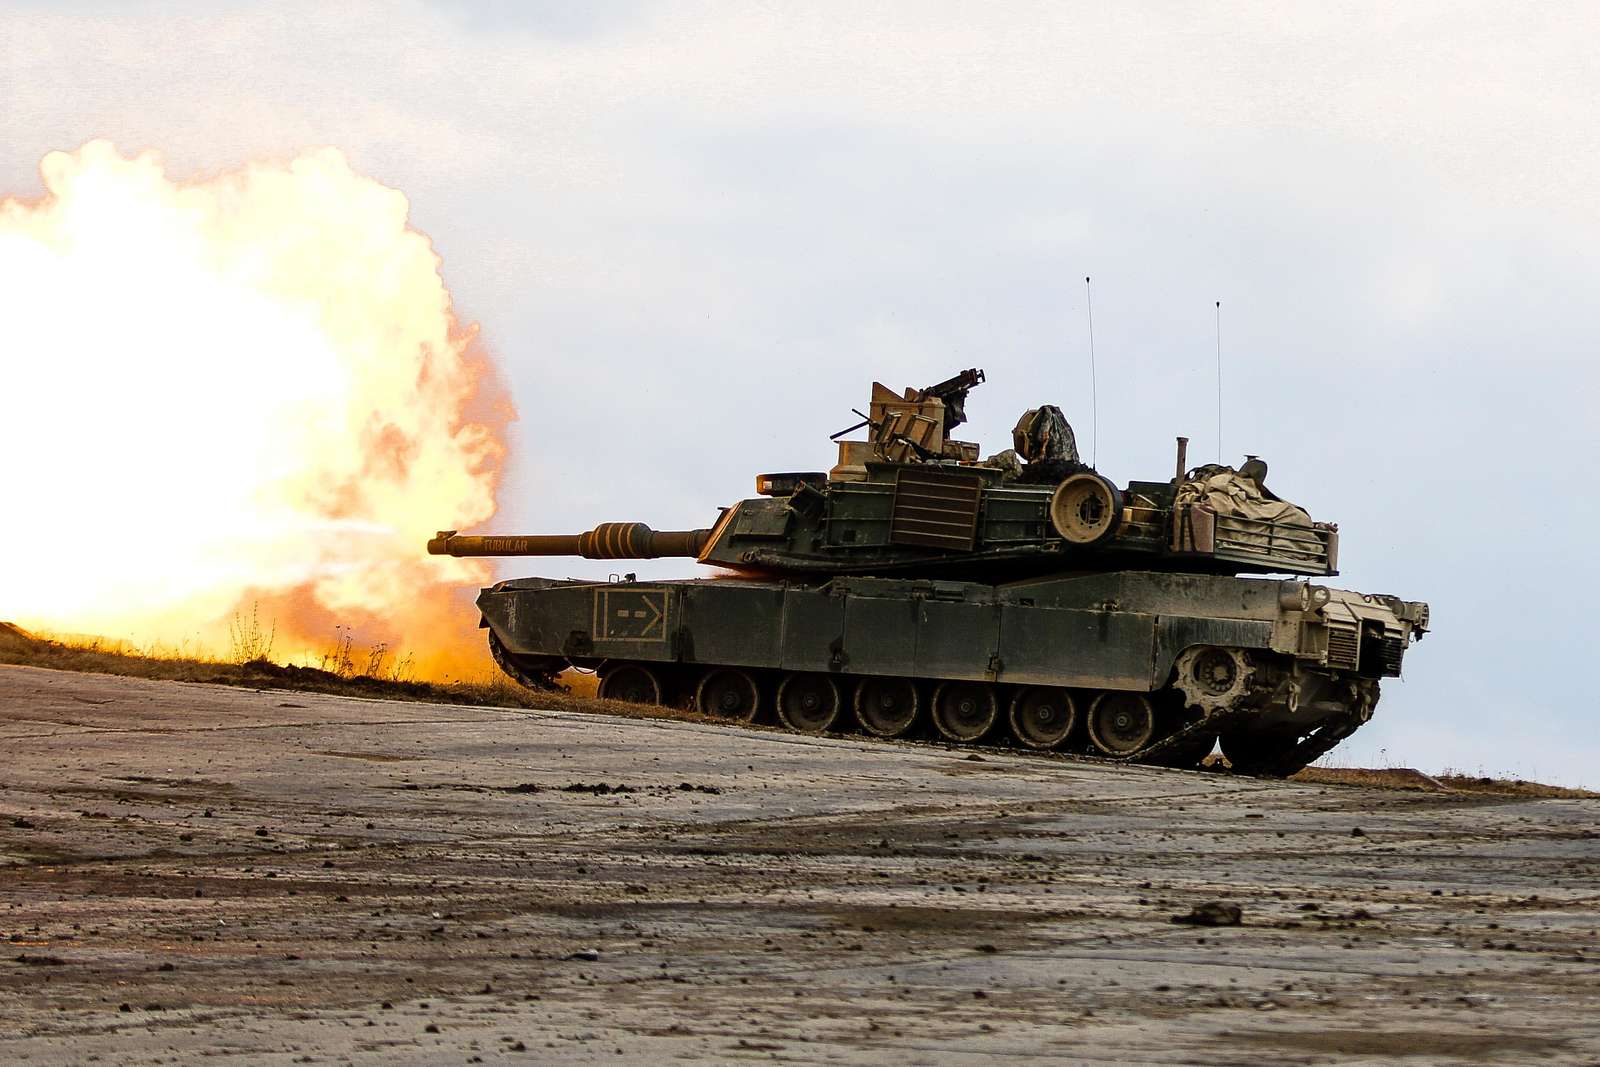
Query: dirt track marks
<point x="261" y="879"/>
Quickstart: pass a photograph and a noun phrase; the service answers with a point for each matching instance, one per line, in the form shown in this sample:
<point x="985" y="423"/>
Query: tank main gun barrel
<point x="609" y="540"/>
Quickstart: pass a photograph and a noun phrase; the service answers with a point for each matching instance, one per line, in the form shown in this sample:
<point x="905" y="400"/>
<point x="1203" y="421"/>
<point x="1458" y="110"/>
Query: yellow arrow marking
<point x="656" y="611"/>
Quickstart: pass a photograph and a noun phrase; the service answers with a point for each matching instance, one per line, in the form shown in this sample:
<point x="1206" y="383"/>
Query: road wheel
<point x="1120" y="724"/>
<point x="964" y="711"/>
<point x="1042" y="716"/>
<point x="728" y="693"/>
<point x="808" y="703"/>
<point x="886" y="707"/>
<point x="631" y="682"/>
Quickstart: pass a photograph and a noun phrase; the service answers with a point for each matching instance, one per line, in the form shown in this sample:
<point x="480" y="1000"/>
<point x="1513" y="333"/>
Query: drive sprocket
<point x="1213" y="678"/>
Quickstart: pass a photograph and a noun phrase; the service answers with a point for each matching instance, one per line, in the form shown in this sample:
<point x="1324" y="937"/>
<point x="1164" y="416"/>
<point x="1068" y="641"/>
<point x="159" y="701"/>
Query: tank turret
<point x="910" y="500"/>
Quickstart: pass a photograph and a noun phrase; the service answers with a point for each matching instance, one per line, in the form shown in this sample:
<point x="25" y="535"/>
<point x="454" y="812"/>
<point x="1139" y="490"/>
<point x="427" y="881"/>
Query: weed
<point x="338" y="661"/>
<point x="247" y="641"/>
<point x="405" y="669"/>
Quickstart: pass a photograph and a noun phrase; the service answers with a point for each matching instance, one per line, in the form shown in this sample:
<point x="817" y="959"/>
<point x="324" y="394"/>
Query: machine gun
<point x="953" y="391"/>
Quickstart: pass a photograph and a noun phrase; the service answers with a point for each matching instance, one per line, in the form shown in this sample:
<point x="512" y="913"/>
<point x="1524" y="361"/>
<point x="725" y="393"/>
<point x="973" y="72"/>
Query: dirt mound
<point x="1411" y="779"/>
<point x="15" y="638"/>
<point x="1382" y="778"/>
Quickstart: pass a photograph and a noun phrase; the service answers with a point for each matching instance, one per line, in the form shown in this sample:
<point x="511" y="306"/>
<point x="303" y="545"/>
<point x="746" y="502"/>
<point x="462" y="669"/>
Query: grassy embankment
<point x="339" y="675"/>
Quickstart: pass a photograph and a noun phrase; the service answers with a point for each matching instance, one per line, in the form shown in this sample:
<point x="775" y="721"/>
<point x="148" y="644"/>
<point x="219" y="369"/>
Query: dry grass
<point x="1467" y="783"/>
<point x="21" y="648"/>
<point x="248" y="640"/>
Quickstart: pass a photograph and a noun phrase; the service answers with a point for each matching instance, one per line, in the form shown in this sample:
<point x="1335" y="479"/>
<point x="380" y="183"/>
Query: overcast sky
<point x="694" y="233"/>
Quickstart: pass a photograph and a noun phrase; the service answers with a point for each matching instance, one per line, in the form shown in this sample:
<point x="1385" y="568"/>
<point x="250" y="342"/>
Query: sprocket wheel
<point x="1212" y="678"/>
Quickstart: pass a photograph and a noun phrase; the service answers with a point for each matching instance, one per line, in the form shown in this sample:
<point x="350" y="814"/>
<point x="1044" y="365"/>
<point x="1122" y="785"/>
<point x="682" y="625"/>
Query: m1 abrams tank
<point x="914" y="586"/>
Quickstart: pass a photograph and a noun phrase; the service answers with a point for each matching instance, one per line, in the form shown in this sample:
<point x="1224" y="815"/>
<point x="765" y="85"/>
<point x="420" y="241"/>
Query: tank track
<point x="1268" y="691"/>
<point x="1279" y="755"/>
<point x="523" y="673"/>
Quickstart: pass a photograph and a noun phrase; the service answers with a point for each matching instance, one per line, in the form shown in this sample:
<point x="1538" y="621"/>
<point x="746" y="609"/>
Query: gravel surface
<point x="196" y="872"/>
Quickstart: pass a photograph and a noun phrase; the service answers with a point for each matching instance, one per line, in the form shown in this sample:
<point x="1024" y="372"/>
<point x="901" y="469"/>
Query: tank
<point x="915" y="587"/>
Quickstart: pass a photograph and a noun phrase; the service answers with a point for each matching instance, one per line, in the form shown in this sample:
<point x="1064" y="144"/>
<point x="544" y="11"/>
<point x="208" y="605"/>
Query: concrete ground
<point x="193" y="872"/>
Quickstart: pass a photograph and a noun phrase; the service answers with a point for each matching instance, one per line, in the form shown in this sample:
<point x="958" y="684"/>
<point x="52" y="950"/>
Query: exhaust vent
<point x="1344" y="645"/>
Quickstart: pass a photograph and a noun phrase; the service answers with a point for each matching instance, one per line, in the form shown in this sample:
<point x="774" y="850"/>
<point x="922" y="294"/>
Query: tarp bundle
<point x="1227" y="492"/>
<point x="1250" y="518"/>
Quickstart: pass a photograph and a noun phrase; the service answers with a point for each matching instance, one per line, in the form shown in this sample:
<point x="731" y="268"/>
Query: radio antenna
<point x="1094" y="385"/>
<point x="1219" y="381"/>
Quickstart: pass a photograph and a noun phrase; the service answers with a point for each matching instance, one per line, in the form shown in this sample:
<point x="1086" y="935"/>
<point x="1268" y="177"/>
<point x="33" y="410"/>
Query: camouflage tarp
<point x="1249" y="516"/>
<point x="1043" y="435"/>
<point x="1227" y="492"/>
<point x="1008" y="462"/>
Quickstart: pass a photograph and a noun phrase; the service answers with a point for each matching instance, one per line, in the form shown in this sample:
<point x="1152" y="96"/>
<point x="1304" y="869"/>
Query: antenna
<point x="1219" y="381"/>
<point x="1094" y="385"/>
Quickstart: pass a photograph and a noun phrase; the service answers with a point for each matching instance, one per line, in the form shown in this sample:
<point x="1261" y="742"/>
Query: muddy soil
<point x="195" y="872"/>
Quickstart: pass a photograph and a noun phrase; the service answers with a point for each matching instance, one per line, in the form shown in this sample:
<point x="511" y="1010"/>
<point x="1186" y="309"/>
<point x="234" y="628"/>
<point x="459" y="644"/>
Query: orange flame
<point x="246" y="389"/>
